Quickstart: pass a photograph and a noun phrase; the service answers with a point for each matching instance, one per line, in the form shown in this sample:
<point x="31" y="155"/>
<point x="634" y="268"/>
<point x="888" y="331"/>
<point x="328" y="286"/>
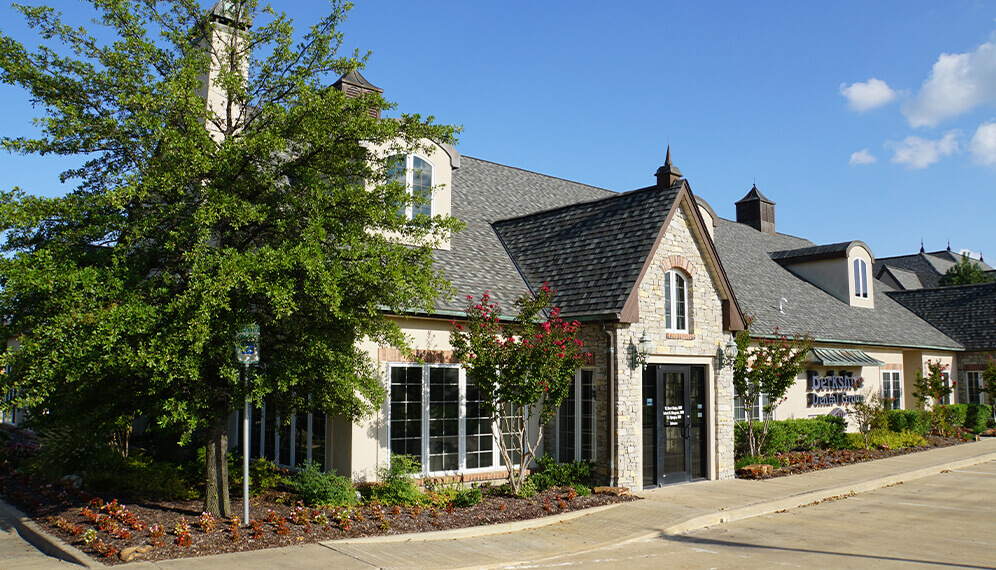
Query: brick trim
<point x="680" y="336"/>
<point x="464" y="478"/>
<point x="898" y="367"/>
<point x="973" y="367"/>
<point x="427" y="356"/>
<point x="677" y="261"/>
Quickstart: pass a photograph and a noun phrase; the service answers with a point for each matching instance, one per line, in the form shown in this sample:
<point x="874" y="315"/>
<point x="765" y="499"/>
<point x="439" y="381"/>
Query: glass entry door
<point x="674" y="424"/>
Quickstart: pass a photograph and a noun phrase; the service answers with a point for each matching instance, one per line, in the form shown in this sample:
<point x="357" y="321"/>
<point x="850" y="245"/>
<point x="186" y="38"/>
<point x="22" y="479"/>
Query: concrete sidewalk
<point x="667" y="511"/>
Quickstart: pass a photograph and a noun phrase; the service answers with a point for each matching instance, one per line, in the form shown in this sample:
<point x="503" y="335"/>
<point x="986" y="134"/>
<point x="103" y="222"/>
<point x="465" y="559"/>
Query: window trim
<point x="980" y="396"/>
<point x="896" y="401"/>
<point x="409" y="167"/>
<point x="860" y="278"/>
<point x="671" y="296"/>
<point x="461" y="422"/>
<point x="578" y="438"/>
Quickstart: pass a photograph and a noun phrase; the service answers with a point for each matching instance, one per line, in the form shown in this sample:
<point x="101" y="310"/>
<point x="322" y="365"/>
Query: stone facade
<point x="972" y="361"/>
<point x="681" y="248"/>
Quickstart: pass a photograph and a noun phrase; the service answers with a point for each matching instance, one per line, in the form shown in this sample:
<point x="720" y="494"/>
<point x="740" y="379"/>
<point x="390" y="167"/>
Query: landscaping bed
<point x="177" y="529"/>
<point x="795" y="462"/>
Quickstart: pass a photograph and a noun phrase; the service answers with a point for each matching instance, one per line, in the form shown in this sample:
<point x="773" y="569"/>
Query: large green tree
<point x="272" y="205"/>
<point x="965" y="272"/>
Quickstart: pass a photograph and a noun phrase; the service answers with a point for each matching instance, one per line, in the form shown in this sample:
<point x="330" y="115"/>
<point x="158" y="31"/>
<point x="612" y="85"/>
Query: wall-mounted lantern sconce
<point x="728" y="354"/>
<point x="642" y="350"/>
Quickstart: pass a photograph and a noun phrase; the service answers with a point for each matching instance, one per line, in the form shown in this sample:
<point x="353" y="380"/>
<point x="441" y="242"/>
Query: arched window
<point x="675" y="301"/>
<point x="416" y="174"/>
<point x="860" y="278"/>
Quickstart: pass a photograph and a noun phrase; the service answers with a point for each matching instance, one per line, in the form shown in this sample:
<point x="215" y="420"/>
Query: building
<point x="966" y="313"/>
<point x="865" y="341"/>
<point x="921" y="270"/>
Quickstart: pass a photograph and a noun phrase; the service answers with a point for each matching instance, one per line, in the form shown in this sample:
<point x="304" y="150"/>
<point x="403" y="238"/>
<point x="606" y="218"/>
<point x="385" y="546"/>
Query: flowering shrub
<point x="207" y="522"/>
<point x="769" y="368"/>
<point x="934" y="388"/>
<point x="519" y="368"/>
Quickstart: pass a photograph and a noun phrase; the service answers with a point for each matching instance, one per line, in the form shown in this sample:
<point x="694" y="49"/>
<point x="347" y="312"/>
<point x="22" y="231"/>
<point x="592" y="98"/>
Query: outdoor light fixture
<point x="247" y="353"/>
<point x="642" y="350"/>
<point x="728" y="354"/>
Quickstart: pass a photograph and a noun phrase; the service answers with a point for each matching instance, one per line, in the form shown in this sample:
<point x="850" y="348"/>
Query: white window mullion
<point x="425" y="418"/>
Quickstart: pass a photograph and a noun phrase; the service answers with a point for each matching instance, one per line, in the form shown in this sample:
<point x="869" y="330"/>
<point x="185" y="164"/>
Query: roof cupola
<point x="668" y="174"/>
<point x="757" y="211"/>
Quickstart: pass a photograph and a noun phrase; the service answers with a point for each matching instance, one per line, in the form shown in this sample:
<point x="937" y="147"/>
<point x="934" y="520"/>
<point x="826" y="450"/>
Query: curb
<point x="473" y="531"/>
<point x="801" y="500"/>
<point x="42" y="540"/>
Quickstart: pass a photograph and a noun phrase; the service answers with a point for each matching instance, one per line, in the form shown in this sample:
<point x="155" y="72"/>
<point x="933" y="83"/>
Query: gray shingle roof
<point x="906" y="279"/>
<point x="966" y="313"/>
<point x="929" y="267"/>
<point x="759" y="283"/>
<point x="591" y="253"/>
<point x="811" y="253"/>
<point x="482" y="193"/>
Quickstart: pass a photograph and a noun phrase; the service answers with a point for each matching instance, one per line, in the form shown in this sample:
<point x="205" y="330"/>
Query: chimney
<point x="353" y="84"/>
<point x="757" y="211"/>
<point x="668" y="174"/>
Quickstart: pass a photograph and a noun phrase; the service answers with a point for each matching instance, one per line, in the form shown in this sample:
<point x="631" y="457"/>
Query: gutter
<point x="869" y="343"/>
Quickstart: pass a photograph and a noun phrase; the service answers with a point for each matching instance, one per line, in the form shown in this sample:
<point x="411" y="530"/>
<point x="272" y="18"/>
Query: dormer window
<point x="416" y="174"/>
<point x="860" y="278"/>
<point x="675" y="302"/>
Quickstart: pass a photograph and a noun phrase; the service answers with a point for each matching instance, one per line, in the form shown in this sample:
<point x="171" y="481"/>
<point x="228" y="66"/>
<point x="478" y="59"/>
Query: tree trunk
<point x="216" y="499"/>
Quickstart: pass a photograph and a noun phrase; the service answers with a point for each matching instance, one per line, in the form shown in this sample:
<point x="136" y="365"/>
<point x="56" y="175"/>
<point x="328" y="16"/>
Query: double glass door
<point x="674" y="424"/>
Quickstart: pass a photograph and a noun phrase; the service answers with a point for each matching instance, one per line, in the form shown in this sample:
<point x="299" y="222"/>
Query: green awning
<point x="842" y="357"/>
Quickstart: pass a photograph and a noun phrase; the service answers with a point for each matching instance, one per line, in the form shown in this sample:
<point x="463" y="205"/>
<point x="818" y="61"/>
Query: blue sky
<point x="861" y="120"/>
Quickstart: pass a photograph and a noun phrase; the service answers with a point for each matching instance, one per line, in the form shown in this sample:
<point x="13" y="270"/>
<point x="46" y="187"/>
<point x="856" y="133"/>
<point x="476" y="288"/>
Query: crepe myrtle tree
<point x="989" y="383"/>
<point x="770" y="368"/>
<point x="522" y="369"/>
<point x="931" y="390"/>
<point x="188" y="220"/>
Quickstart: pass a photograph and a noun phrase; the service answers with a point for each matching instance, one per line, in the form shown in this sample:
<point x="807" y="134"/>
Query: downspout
<point x="613" y="417"/>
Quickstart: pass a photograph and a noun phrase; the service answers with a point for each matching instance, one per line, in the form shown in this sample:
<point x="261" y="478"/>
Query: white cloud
<point x="865" y="96"/>
<point x="958" y="83"/>
<point x="917" y="153"/>
<point x="862" y="157"/>
<point x="983" y="144"/>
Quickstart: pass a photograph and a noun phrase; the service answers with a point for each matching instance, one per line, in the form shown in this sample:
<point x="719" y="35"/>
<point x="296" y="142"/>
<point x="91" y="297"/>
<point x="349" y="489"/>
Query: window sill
<point x="680" y="336"/>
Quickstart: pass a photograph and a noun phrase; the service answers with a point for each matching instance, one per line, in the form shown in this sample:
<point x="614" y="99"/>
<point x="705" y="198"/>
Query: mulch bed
<point x="796" y="462"/>
<point x="174" y="529"/>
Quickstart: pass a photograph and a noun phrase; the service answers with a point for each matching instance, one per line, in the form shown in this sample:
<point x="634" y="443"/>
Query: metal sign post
<point x="247" y="353"/>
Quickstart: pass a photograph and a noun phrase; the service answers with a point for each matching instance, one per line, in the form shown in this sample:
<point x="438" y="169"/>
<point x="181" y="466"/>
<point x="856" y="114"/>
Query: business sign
<point x="832" y="390"/>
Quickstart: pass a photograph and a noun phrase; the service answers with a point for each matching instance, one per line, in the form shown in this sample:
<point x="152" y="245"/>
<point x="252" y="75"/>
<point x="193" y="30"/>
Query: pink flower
<point x="546" y="327"/>
<point x="560" y="355"/>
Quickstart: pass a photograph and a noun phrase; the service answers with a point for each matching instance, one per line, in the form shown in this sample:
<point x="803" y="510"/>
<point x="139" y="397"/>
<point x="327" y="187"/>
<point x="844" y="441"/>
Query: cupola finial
<point x="668" y="174"/>
<point x="921" y="246"/>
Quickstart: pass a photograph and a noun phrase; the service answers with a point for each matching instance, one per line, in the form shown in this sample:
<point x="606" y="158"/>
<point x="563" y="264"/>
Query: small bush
<point x="916" y="421"/>
<point x="977" y="417"/>
<point x="582" y="490"/>
<point x="894" y="440"/>
<point x="956" y="414"/>
<point x="327" y="489"/>
<point x="467" y="497"/>
<point x="753" y="460"/>
<point x="396" y="486"/>
<point x="553" y="474"/>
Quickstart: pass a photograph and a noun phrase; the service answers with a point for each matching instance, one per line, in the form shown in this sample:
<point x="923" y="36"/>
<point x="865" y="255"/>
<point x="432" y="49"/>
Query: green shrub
<point x="894" y="440"/>
<point x="317" y="488"/>
<point x="754" y="460"/>
<point x="395" y="486"/>
<point x="916" y="421"/>
<point x="527" y="489"/>
<point x="977" y="417"/>
<point x="956" y="414"/>
<point x="467" y="497"/>
<point x="582" y="490"/>
<point x="140" y="477"/>
<point x="821" y="432"/>
<point x="553" y="474"/>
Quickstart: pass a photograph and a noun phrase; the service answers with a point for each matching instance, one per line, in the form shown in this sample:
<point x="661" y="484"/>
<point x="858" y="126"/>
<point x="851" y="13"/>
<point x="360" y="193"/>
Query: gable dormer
<point x="841" y="269"/>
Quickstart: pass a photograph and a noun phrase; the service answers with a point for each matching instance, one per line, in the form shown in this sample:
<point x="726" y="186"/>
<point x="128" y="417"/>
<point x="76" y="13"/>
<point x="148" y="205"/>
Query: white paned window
<point x="438" y="416"/>
<point x="892" y="390"/>
<point x="675" y="301"/>
<point x="756" y="411"/>
<point x="946" y="379"/>
<point x="416" y="174"/>
<point x="860" y="278"/>
<point x="576" y="420"/>
<point x="973" y="383"/>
